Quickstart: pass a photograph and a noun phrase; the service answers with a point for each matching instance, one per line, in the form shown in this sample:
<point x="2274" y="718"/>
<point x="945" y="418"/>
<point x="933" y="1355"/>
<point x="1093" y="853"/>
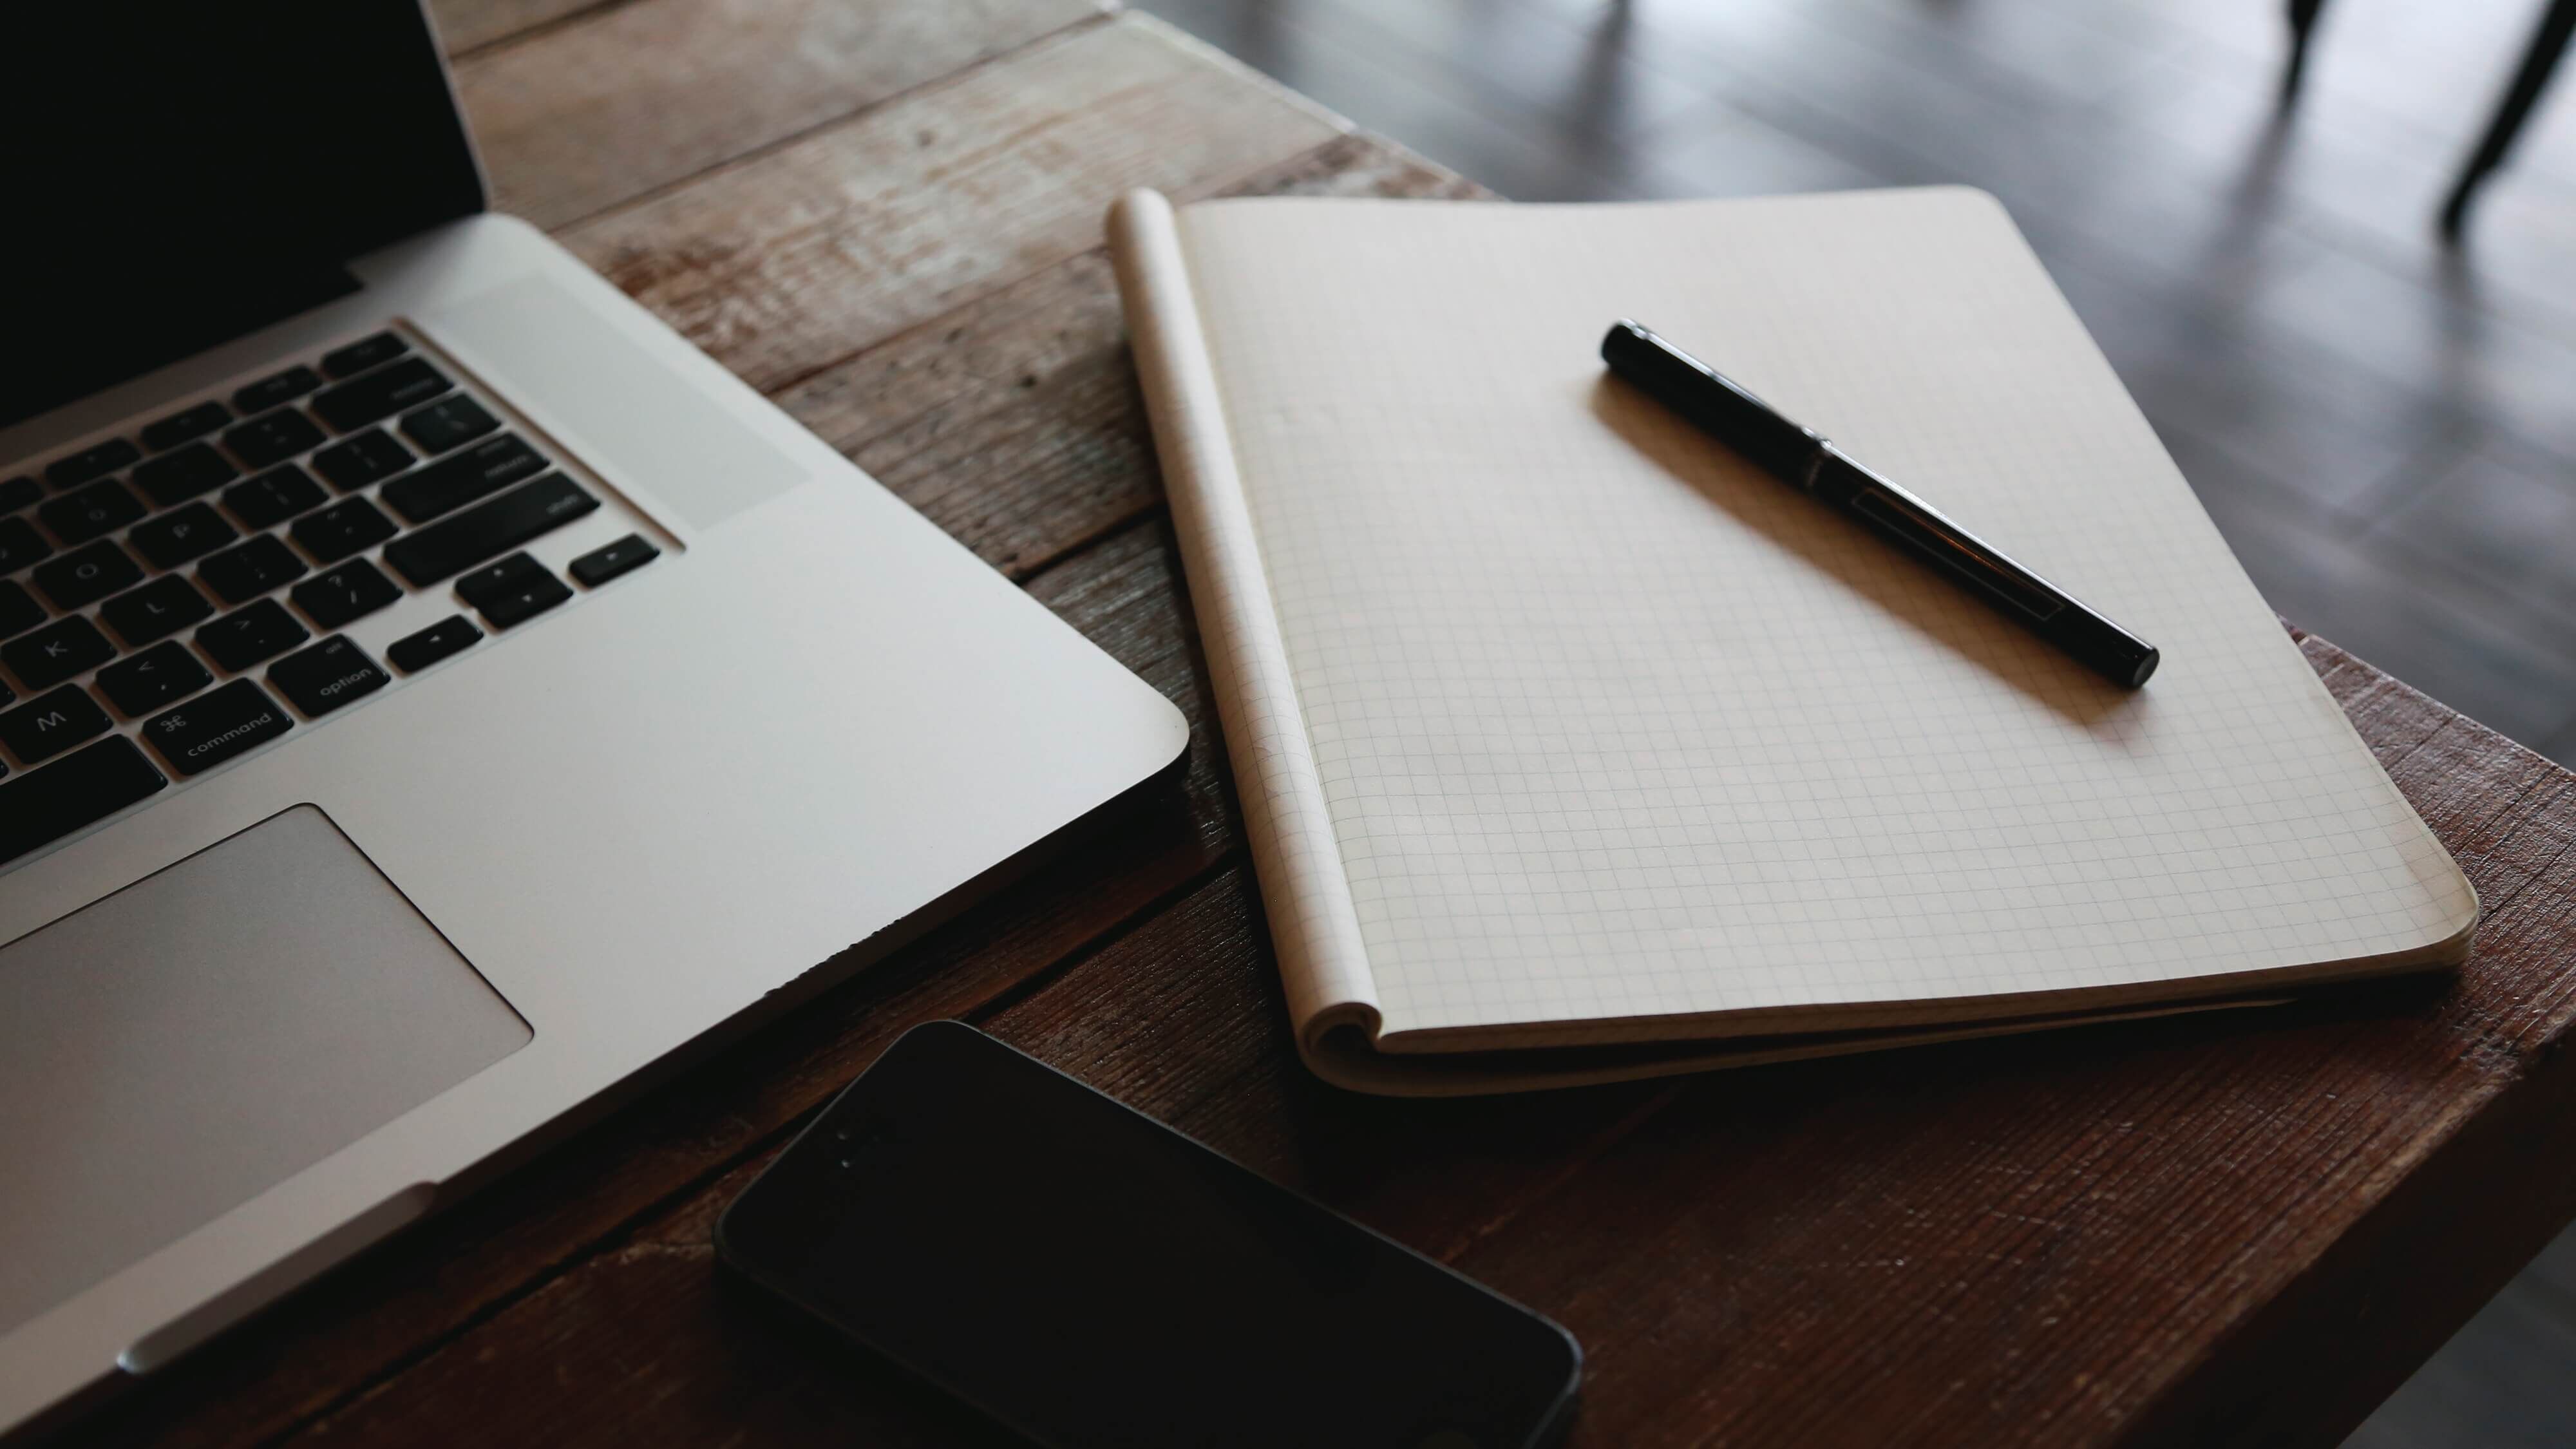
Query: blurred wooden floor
<point x="2385" y="431"/>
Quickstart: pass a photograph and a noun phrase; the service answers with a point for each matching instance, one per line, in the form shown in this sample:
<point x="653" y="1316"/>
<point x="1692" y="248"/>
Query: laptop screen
<point x="179" y="173"/>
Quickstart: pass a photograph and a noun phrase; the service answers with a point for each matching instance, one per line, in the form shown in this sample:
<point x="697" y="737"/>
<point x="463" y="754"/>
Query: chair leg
<point x="2303" y="19"/>
<point x="2547" y="45"/>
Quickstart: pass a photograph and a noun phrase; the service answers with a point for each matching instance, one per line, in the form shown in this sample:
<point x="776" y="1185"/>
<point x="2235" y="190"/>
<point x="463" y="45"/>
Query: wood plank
<point x="588" y="115"/>
<point x="803" y="256"/>
<point x="469" y="25"/>
<point x="1015" y="422"/>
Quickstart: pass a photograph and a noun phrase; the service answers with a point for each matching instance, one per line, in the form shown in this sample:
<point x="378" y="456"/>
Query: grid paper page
<point x="1611" y="726"/>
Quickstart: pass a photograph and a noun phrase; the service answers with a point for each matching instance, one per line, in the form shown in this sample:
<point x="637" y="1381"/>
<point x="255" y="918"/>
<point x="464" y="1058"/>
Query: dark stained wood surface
<point x="2203" y="1231"/>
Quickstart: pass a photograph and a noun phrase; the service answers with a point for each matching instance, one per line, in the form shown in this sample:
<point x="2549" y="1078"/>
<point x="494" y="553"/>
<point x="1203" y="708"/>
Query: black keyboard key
<point x="56" y="652"/>
<point x="499" y="579"/>
<point x="454" y="482"/>
<point x="51" y="723"/>
<point x="273" y="437"/>
<point x="249" y="570"/>
<point x="447" y="423"/>
<point x="541" y="593"/>
<point x="96" y="461"/>
<point x="155" y="611"/>
<point x="153" y="678"/>
<point x="179" y="427"/>
<point x="268" y="392"/>
<point x="101" y="508"/>
<point x="206" y="731"/>
<point x="86" y="575"/>
<point x="20" y="545"/>
<point x="19" y="611"/>
<point x="362" y="460"/>
<point x="251" y="635"/>
<point x="413" y="653"/>
<point x="379" y="394"/>
<point x="274" y="496"/>
<point x="175" y="538"/>
<point x="362" y="354"/>
<point x="353" y="590"/>
<point x="328" y="675"/>
<point x="174" y="478"/>
<point x="513" y="591"/>
<point x="18" y="492"/>
<point x="78" y="790"/>
<point x="494" y="526"/>
<point x="346" y="527"/>
<point x="610" y="560"/>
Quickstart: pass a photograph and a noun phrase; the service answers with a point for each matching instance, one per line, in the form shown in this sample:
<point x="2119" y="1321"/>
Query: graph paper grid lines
<point x="1610" y="726"/>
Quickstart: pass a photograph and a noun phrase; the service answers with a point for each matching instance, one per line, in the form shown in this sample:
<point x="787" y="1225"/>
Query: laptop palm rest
<point x="171" y="1051"/>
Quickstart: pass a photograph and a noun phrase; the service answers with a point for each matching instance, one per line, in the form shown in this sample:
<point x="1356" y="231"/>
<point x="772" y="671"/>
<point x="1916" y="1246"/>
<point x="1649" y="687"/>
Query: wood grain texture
<point x="1015" y="422"/>
<point x="800" y="257"/>
<point x="582" y="117"/>
<point x="465" y="26"/>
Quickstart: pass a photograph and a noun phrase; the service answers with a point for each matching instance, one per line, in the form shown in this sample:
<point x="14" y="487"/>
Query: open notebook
<point x="1571" y="747"/>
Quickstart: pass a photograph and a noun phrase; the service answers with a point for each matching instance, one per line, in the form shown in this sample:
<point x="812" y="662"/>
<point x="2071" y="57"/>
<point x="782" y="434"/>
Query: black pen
<point x="1807" y="462"/>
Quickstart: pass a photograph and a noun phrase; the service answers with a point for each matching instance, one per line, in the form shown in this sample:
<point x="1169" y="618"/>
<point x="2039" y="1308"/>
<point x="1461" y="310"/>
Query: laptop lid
<point x="183" y="173"/>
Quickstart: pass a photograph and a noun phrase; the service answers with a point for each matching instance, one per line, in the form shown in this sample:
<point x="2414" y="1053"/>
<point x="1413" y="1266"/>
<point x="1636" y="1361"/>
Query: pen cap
<point x="2109" y="650"/>
<point x="1709" y="400"/>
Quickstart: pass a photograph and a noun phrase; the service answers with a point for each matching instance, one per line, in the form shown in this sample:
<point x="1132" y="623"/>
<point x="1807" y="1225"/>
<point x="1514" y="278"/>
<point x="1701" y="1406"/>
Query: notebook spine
<point x="1313" y="924"/>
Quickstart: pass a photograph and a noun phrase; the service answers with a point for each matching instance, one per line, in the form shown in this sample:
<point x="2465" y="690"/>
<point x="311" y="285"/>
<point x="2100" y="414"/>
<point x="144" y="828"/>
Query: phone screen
<point x="1090" y="1277"/>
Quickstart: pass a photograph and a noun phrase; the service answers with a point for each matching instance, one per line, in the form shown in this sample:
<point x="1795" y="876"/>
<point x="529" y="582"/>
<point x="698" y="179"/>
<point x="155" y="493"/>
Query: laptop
<point x="435" y="693"/>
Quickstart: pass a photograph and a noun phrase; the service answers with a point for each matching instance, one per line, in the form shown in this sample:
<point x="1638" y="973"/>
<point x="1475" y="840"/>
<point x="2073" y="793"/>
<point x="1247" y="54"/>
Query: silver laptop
<point x="434" y="692"/>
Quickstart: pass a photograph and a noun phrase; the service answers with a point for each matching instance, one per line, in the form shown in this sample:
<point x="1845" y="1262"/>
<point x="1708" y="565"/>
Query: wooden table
<point x="886" y="213"/>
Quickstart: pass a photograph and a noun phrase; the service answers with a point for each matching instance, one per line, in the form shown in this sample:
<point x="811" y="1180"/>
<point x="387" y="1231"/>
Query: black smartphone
<point x="1090" y="1277"/>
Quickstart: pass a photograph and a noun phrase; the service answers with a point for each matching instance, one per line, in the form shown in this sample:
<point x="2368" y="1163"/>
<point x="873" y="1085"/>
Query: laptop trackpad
<point x="171" y="1051"/>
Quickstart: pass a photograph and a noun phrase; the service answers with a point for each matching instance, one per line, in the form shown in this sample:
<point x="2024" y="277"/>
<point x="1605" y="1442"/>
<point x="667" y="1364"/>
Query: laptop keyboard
<point x="172" y="598"/>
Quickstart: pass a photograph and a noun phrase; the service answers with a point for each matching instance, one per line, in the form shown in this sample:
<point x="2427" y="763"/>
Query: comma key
<point x="153" y="678"/>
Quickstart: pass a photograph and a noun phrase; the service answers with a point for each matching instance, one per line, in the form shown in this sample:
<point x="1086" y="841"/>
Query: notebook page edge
<point x="1314" y="928"/>
<point x="1469" y="1074"/>
<point x="1930" y="1013"/>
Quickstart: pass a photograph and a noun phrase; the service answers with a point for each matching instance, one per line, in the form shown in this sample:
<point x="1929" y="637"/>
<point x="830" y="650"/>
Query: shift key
<point x="488" y="529"/>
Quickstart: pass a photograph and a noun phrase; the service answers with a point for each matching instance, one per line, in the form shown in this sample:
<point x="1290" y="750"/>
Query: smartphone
<point x="1089" y="1277"/>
